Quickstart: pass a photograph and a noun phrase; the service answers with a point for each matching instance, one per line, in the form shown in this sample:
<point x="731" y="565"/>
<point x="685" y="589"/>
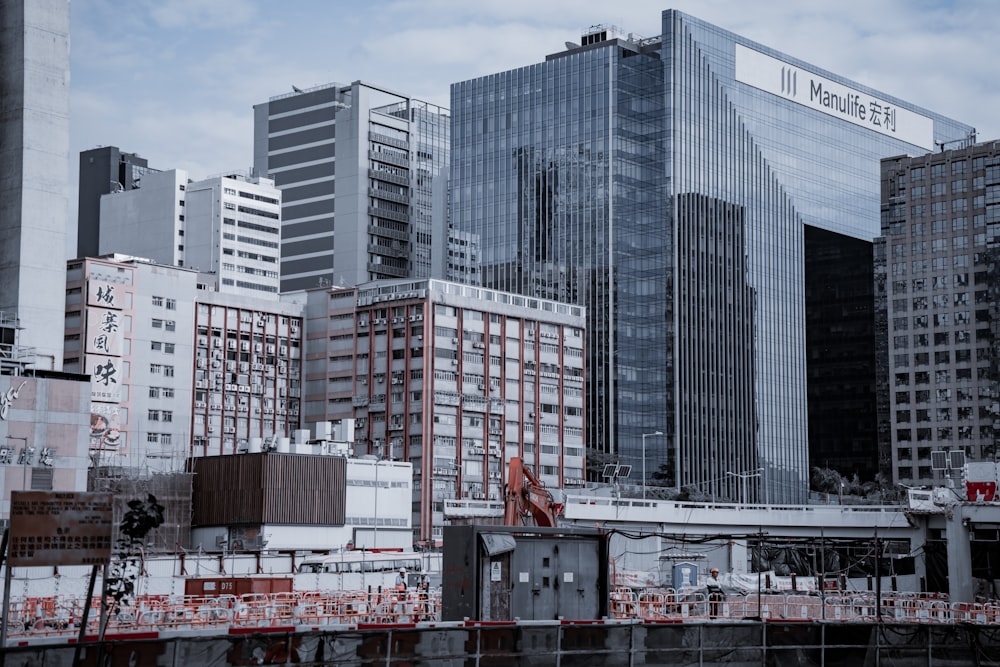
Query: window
<point x="167" y="416"/>
<point x="168" y="371"/>
<point x="154" y="392"/>
<point x="168" y="348"/>
<point x="157" y="324"/>
<point x="157" y="300"/>
<point x="155" y="368"/>
<point x="171" y="304"/>
<point x="156" y="345"/>
<point x="153" y="415"/>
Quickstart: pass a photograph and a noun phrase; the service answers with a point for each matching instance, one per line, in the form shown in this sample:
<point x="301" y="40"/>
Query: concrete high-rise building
<point x="34" y="163"/>
<point x="233" y="230"/>
<point x="147" y="221"/>
<point x="228" y="226"/>
<point x="102" y="171"/>
<point x="671" y="185"/>
<point x="938" y="287"/>
<point x="364" y="177"/>
<point x="453" y="378"/>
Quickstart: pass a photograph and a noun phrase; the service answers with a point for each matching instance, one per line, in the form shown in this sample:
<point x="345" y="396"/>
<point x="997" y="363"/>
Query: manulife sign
<point x="835" y="99"/>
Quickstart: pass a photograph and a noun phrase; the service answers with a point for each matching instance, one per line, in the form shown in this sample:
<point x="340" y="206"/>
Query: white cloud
<point x="175" y="80"/>
<point x="201" y="14"/>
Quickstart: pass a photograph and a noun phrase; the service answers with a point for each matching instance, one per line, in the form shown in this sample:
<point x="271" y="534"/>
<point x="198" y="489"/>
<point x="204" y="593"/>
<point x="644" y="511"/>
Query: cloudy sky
<point x="176" y="80"/>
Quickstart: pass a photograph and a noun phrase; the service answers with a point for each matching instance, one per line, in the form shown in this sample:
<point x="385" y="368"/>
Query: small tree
<point x="126" y="564"/>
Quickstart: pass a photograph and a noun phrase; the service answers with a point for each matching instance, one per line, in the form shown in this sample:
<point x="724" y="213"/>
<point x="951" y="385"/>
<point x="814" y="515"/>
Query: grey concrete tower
<point x="34" y="152"/>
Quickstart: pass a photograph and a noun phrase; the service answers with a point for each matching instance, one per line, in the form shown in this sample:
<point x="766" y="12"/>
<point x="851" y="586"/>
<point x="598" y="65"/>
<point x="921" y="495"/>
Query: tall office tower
<point x="938" y="289"/>
<point x="229" y="226"/>
<point x="34" y="154"/>
<point x="102" y="171"/>
<point x="668" y="184"/>
<point x="454" y="379"/>
<point x="363" y="172"/>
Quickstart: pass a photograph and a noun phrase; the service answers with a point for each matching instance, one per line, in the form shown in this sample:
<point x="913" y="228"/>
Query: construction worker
<point x="401" y="580"/>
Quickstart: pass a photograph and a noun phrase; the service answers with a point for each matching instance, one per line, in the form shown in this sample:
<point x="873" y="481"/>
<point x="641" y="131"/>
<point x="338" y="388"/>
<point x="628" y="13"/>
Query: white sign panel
<point x="104" y="294"/>
<point x="105" y="378"/>
<point x="104" y="332"/>
<point x="834" y="99"/>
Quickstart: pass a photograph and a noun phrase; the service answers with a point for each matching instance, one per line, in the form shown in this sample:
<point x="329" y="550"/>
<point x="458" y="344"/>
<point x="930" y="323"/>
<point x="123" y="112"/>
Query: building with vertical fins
<point x="937" y="288"/>
<point x="679" y="187"/>
<point x="34" y="154"/>
<point x="364" y="178"/>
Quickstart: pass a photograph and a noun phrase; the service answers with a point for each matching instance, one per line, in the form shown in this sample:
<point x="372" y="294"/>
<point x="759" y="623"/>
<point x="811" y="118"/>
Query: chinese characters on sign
<point x="50" y="528"/>
<point x="108" y="294"/>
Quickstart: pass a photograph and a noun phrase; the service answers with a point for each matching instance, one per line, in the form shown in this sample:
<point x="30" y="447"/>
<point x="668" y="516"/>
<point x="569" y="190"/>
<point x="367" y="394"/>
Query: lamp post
<point x="743" y="477"/>
<point x="644" y="436"/>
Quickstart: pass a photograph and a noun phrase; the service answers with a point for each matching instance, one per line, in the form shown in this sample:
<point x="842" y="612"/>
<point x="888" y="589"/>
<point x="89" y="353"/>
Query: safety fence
<point x="56" y="617"/>
<point x="852" y="606"/>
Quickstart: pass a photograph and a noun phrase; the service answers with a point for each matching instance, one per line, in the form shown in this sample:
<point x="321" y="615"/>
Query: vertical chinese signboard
<point x="106" y="300"/>
<point x="60" y="528"/>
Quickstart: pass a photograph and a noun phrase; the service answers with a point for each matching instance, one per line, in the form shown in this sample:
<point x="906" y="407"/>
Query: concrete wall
<point x="550" y="643"/>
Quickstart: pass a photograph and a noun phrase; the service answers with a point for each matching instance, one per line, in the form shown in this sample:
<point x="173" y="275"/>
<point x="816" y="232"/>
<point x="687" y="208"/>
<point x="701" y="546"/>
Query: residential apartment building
<point x="34" y="152"/>
<point x="671" y="187"/>
<point x="129" y="325"/>
<point x="364" y="177"/>
<point x="148" y="221"/>
<point x="247" y="374"/>
<point x="454" y="379"/>
<point x="170" y="377"/>
<point x="937" y="286"/>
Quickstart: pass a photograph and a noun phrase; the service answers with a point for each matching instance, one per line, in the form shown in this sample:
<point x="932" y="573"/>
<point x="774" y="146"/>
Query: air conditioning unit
<point x="200" y="404"/>
<point x="211" y="429"/>
<point x="232" y="344"/>
<point x="202" y="341"/>
<point x="478" y="346"/>
<point x="454" y="340"/>
<point x="230" y="429"/>
<point x="245" y="345"/>
<point x="482" y="387"/>
<point x="363" y="323"/>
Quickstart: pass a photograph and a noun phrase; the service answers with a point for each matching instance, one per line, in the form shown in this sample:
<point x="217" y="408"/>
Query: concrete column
<point x="961" y="586"/>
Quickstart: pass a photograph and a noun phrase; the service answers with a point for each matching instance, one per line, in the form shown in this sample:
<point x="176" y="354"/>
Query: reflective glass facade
<point x="938" y="288"/>
<point x="642" y="179"/>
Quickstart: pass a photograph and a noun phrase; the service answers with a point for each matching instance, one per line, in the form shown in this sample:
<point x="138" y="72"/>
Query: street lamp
<point x="644" y="436"/>
<point x="743" y="477"/>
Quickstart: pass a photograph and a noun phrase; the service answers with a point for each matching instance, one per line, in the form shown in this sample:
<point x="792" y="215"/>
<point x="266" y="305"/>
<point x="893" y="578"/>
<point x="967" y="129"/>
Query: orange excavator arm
<point x="527" y="495"/>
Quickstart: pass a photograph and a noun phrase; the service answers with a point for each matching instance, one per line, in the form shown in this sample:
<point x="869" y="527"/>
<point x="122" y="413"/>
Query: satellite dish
<point x="296" y="89"/>
<point x="572" y="45"/>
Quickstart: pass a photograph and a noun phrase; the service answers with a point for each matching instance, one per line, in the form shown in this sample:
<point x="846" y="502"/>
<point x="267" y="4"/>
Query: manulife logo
<point x="789" y="81"/>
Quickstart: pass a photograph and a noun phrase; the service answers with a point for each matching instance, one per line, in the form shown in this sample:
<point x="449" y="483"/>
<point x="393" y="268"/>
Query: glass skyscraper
<point x="667" y="184"/>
